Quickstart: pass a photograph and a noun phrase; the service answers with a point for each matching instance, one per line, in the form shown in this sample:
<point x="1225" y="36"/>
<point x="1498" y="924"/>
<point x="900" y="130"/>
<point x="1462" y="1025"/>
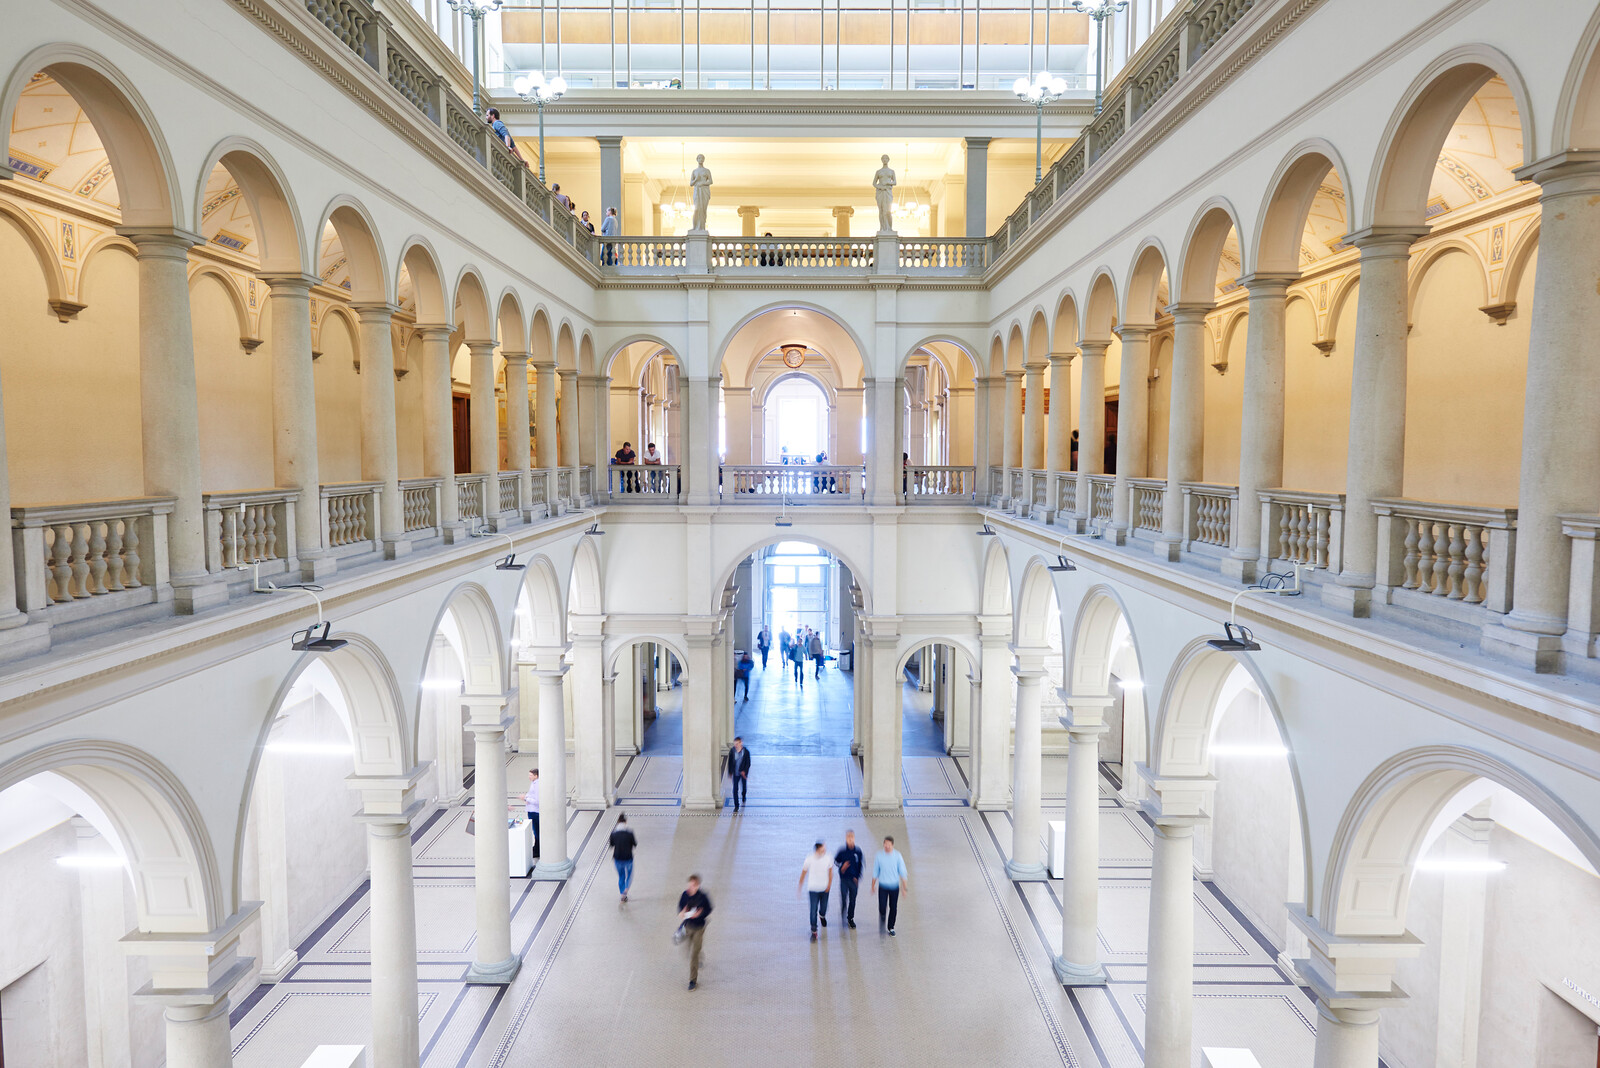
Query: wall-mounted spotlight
<point x="594" y="529"/>
<point x="1062" y="564"/>
<point x="507" y="562"/>
<point x="988" y="532"/>
<point x="783" y="519"/>
<point x="1237" y="639"/>
<point x="316" y="638"/>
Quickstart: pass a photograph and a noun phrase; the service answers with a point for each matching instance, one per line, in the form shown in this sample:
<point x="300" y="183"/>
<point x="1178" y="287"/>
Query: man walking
<point x="889" y="879"/>
<point x="797" y="657"/>
<point x="623" y="844"/>
<point x="816" y="878"/>
<point x="850" y="862"/>
<point x="694" y="908"/>
<point x="764" y="643"/>
<point x="532" y="803"/>
<point x="739" y="771"/>
<point x="741" y="673"/>
<point x="784" y="642"/>
<point x="816" y="651"/>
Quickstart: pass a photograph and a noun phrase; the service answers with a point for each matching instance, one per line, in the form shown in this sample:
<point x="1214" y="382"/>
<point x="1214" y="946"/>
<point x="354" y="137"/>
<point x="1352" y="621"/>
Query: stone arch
<point x="1187" y="712"/>
<point x="1403" y="166"/>
<point x="1038" y="337"/>
<point x="997" y="356"/>
<point x="1202" y="251"/>
<point x="1517" y="259"/>
<point x="585" y="592"/>
<point x="421" y="265"/>
<point x="1090" y="646"/>
<point x="805" y="376"/>
<point x="1065" y="331"/>
<point x="1100" y="310"/>
<point x="1141" y="300"/>
<point x="177" y="886"/>
<point x="798" y="534"/>
<point x="1577" y="124"/>
<point x="586" y="354"/>
<point x="470" y="301"/>
<point x="962" y="347"/>
<point x="1015" y="345"/>
<point x="483" y="642"/>
<point x="147" y="181"/>
<point x="909" y="644"/>
<point x="566" y="348"/>
<point x="541" y="342"/>
<point x="1383" y="831"/>
<point x="1420" y="264"/>
<point x="1341" y="293"/>
<point x="363" y="251"/>
<point x="271" y="202"/>
<point x="55" y="279"/>
<point x="621" y="643"/>
<point x="849" y="331"/>
<point x="995" y="592"/>
<point x="1031" y="626"/>
<point x="342" y="313"/>
<point x="230" y="287"/>
<point x="510" y="323"/>
<point x="541" y="609"/>
<point x="610" y="361"/>
<point x="371" y="691"/>
<point x="1282" y="219"/>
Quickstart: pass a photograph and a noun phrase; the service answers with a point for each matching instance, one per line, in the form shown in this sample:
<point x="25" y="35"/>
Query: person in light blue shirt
<point x="889" y="880"/>
<point x="610" y="226"/>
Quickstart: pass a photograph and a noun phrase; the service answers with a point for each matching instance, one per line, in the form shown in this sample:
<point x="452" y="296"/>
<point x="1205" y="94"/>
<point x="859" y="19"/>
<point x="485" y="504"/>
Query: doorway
<point x="461" y="425"/>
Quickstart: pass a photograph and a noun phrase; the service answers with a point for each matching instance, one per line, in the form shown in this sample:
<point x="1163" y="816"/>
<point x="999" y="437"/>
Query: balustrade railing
<point x="645" y="255"/>
<point x="539" y="490"/>
<point x="813" y="482"/>
<point x="420" y="500"/>
<point x="566" y="484"/>
<point x="996" y="483"/>
<point x="926" y="485"/>
<point x="1583" y="599"/>
<point x="77" y="552"/>
<point x="1147" y="495"/>
<point x="1064" y="493"/>
<point x="249" y="527"/>
<point x="794" y="253"/>
<point x="1208" y="516"/>
<point x="1453" y="552"/>
<point x="1303" y="528"/>
<point x="470" y="497"/>
<point x="944" y="255"/>
<point x="586" y="482"/>
<point x="508" y="493"/>
<point x="1038" y="492"/>
<point x="1014" y="484"/>
<point x="350" y="515"/>
<point x="650" y="483"/>
<point x="1100" y="496"/>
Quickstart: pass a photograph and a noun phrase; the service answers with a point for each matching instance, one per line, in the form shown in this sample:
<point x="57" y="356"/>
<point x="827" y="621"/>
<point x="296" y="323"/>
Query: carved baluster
<point x="132" y="577"/>
<point x="269" y="537"/>
<point x="1319" y="557"/>
<point x="95" y="557"/>
<point x="58" y="562"/>
<point x="1413" y="561"/>
<point x="113" y="553"/>
<point x="79" y="560"/>
<point x="1441" y="561"/>
<point x="1454" y="572"/>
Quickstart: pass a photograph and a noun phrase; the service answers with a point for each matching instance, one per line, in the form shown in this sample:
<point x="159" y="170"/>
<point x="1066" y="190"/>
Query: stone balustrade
<point x="471" y="496"/>
<point x="644" y="255"/>
<point x="795" y="254"/>
<point x="940" y="484"/>
<point x="944" y="255"/>
<point x="1100" y="497"/>
<point x="567" y="484"/>
<point x="1299" y="527"/>
<point x="539" y="495"/>
<point x="68" y="555"/>
<point x="508" y="495"/>
<point x="1452" y="553"/>
<point x="1147" y="494"/>
<point x="1208" y="517"/>
<point x="645" y="483"/>
<point x="249" y="528"/>
<point x="1015" y="485"/>
<point x="763" y="483"/>
<point x="350" y="517"/>
<point x="421" y="504"/>
<point x="1038" y="483"/>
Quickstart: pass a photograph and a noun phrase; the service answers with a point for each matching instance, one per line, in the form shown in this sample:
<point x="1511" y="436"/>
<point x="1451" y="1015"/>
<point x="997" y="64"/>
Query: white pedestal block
<point x="520" y="835"/>
<point x="1056" y="848"/>
<point x="1219" y="1057"/>
<point x="335" y="1057"/>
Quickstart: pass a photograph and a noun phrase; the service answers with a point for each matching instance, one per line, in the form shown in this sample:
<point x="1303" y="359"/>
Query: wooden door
<point x="461" y="420"/>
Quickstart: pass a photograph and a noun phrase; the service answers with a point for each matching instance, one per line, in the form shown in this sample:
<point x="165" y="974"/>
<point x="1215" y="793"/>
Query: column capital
<point x="1065" y="356"/>
<point x="161" y="240"/>
<point x="843" y="212"/>
<point x="977" y="142"/>
<point x="1386" y="240"/>
<point x="1267" y="283"/>
<point x="389" y="798"/>
<point x="290" y="282"/>
<point x="192" y="969"/>
<point x="1194" y="311"/>
<point x="1093" y="349"/>
<point x="374" y="311"/>
<point x="1035" y="367"/>
<point x="1176" y="803"/>
<point x="481" y="344"/>
<point x="1563" y="167"/>
<point x="1352" y="972"/>
<point x="1014" y="376"/>
<point x="509" y="356"/>
<point x="1085" y="715"/>
<point x="433" y="332"/>
<point x="486" y="710"/>
<point x="1133" y="331"/>
<point x="608" y="140"/>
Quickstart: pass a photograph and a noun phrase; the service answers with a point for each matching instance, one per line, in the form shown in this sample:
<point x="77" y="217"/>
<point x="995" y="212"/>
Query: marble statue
<point x="883" y="183"/>
<point x="700" y="182"/>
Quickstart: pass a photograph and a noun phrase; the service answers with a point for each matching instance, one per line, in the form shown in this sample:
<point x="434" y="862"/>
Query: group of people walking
<point x="803" y="646"/>
<point x="889" y="881"/>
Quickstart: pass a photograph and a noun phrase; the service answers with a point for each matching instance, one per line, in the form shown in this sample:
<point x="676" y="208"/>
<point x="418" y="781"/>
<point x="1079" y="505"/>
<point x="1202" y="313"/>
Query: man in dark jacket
<point x="693" y="909"/>
<point x="849" y="860"/>
<point x="623" y="843"/>
<point x="739" y="771"/>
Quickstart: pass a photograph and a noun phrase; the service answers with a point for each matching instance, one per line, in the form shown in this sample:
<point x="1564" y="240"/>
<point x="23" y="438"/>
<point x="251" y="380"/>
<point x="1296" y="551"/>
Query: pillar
<point x="494" y="961"/>
<point x="1133" y="425"/>
<point x="738" y="408"/>
<point x="545" y="450"/>
<point x="1186" y="421"/>
<point x="880" y="779"/>
<point x="1033" y="418"/>
<point x="977" y="186"/>
<point x="1352" y="978"/>
<point x="485" y="429"/>
<point x="700" y="461"/>
<point x="553" y="860"/>
<point x="591" y="745"/>
<point x="567" y="420"/>
<point x="190" y="976"/>
<point x="198" y="1036"/>
<point x="1377" y="408"/>
<point x="380" y="456"/>
<point x="702" y="790"/>
<point x="992" y="722"/>
<point x="1261" y="421"/>
<point x="861" y="687"/>
<point x="393" y="921"/>
<point x="1027" y="774"/>
<point x="1091" y="421"/>
<point x="884" y="473"/>
<point x="610" y="177"/>
<point x="849" y="410"/>
<point x="103" y="918"/>
<point x="748" y="214"/>
<point x="517" y="443"/>
<point x="1079" y="962"/>
<point x="294" y="415"/>
<point x="438" y="425"/>
<point x="169" y="407"/>
<point x="1560" y="448"/>
<point x="1176" y="808"/>
<point x="841" y="221"/>
<point x="1058" y="430"/>
<point x="1013" y="410"/>
<point x="594" y="421"/>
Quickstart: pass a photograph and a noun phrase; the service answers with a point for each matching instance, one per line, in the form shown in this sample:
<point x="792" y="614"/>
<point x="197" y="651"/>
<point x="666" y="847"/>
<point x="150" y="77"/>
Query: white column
<point x="1027" y="788"/>
<point x="700" y="459"/>
<point x="1261" y="420"/>
<point x="880" y="786"/>
<point x="977" y="186"/>
<point x="545" y="449"/>
<point x="1186" y="422"/>
<point x="841" y="221"/>
<point x="1058" y="432"/>
<point x="1079" y="962"/>
<point x="517" y="452"/>
<point x="393" y="923"/>
<point x="702" y="789"/>
<point x="198" y="1035"/>
<point x="1033" y="416"/>
<point x="485" y="428"/>
<point x="861" y="688"/>
<point x="992" y="721"/>
<point x="191" y="973"/>
<point x="438" y="424"/>
<point x="1347" y="1036"/>
<point x="169" y="408"/>
<point x="1013" y="430"/>
<point x="594" y="421"/>
<point x="884" y="471"/>
<point x="1352" y="977"/>
<point x="1133" y="425"/>
<point x="1176" y="807"/>
<point x="380" y="456"/>
<point x="1091" y="421"/>
<point x="553" y="860"/>
<point x="494" y="960"/>
<point x="591" y="750"/>
<point x="1377" y="408"/>
<point x="748" y="214"/>
<point x="567" y="420"/>
<point x="294" y="415"/>
<point x="1560" y="449"/>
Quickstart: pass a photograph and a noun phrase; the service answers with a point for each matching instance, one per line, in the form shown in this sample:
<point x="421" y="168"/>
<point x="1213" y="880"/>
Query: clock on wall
<point x="793" y="356"/>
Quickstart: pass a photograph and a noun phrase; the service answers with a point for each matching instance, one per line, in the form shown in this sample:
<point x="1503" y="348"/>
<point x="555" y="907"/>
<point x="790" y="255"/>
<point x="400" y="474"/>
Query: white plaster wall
<point x="43" y="927"/>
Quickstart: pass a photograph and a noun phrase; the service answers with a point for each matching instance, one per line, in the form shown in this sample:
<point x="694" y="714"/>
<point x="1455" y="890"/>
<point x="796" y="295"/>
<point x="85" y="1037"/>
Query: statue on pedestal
<point x="883" y="184"/>
<point x="700" y="183"/>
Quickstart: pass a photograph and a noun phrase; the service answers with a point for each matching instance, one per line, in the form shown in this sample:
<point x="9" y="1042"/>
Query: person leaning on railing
<point x="504" y="134"/>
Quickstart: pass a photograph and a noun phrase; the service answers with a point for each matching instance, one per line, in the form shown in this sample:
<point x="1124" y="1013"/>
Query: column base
<point x="1168" y="549"/>
<point x="590" y="804"/>
<point x="550" y="871"/>
<point x="1543" y="653"/>
<point x="1027" y="873"/>
<point x="1355" y="601"/>
<point x="890" y="805"/>
<point x="29" y="639"/>
<point x="960" y="751"/>
<point x="481" y="974"/>
<point x="1069" y="974"/>
<point x="1072" y="522"/>
<point x="282" y="967"/>
<point x="453" y="533"/>
<point x="625" y="750"/>
<point x="192" y="596"/>
<point x="318" y="568"/>
<point x="1046" y="516"/>
<point x="703" y="806"/>
<point x="396" y="547"/>
<point x="1241" y="568"/>
<point x="989" y="804"/>
<point x="1117" y="535"/>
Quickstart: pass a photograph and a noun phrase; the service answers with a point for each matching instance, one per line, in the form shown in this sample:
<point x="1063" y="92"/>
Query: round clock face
<point x="794" y="357"/>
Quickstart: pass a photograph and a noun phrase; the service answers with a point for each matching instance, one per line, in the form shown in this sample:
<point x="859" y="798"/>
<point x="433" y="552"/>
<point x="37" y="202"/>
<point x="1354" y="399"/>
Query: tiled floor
<point x="967" y="980"/>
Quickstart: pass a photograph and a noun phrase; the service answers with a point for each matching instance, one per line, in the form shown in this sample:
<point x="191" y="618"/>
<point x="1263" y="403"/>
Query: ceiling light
<point x="509" y="561"/>
<point x="594" y="528"/>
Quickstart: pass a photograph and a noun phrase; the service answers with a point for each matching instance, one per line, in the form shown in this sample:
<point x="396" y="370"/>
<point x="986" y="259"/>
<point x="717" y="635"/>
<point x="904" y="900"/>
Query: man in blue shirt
<point x="610" y="226"/>
<point x="850" y="861"/>
<point x="889" y="879"/>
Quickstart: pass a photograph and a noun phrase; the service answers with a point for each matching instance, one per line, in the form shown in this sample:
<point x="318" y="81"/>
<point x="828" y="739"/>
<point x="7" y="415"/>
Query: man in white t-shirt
<point x="531" y="800"/>
<point x="816" y="877"/>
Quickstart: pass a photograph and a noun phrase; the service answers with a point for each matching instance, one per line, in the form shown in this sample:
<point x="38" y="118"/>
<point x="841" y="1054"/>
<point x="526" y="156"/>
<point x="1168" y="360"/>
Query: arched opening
<point x="797" y="431"/>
